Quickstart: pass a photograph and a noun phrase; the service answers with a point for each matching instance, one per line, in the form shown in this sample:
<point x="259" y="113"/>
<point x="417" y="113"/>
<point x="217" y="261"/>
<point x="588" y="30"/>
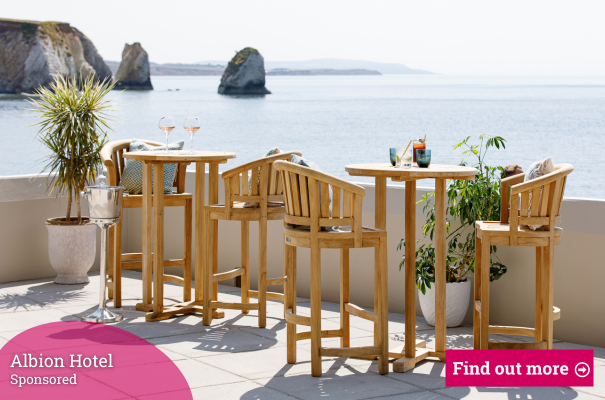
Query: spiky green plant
<point x="75" y="118"/>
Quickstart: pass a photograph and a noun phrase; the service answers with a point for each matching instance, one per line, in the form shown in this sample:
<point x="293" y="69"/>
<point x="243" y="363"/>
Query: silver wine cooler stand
<point x="104" y="204"/>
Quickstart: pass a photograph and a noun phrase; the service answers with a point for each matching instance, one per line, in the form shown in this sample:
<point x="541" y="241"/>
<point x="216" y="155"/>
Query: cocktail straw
<point x="406" y="149"/>
<point x="424" y="140"/>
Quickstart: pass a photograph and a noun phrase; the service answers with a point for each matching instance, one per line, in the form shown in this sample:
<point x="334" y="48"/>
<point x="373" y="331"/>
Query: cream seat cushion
<point x="536" y="170"/>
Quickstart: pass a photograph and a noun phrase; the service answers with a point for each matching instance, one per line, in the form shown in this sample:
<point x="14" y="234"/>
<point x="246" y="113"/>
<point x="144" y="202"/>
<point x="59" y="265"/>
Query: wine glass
<point x="167" y="124"/>
<point x="192" y="124"/>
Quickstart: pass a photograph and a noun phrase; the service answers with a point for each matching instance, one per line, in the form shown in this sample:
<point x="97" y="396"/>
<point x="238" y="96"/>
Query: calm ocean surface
<point x="340" y="120"/>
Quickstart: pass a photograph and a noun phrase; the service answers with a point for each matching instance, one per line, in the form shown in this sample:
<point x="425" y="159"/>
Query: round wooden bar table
<point x="413" y="351"/>
<point x="158" y="159"/>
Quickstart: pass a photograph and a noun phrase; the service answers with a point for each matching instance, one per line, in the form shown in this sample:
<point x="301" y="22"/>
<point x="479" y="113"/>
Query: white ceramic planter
<point x="457" y="297"/>
<point x="71" y="250"/>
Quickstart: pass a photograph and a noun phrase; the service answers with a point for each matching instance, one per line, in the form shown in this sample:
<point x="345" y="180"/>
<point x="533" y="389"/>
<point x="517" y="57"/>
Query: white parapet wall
<point x="24" y="207"/>
<point x="579" y="265"/>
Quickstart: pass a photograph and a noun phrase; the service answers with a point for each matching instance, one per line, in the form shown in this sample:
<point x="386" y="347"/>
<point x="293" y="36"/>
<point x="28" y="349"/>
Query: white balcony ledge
<point x="579" y="272"/>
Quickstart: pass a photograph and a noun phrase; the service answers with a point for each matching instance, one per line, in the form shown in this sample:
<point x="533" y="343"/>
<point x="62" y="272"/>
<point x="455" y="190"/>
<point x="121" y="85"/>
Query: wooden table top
<point x="434" y="171"/>
<point x="180" y="156"/>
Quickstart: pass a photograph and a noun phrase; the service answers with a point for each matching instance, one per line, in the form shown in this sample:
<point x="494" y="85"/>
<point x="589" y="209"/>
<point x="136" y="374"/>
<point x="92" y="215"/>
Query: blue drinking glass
<point x="423" y="158"/>
<point x="393" y="153"/>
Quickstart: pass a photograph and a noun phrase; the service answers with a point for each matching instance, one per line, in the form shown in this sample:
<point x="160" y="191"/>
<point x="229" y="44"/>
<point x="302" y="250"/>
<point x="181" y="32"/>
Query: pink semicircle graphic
<point x="83" y="360"/>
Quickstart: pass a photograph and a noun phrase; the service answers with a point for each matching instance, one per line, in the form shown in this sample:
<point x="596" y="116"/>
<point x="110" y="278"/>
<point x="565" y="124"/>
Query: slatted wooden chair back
<point x="256" y="182"/>
<point x="112" y="156"/>
<point x="543" y="207"/>
<point x="307" y="200"/>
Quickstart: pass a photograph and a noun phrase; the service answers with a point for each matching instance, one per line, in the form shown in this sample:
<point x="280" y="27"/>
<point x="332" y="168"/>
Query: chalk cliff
<point x="245" y="74"/>
<point x="35" y="53"/>
<point x="133" y="72"/>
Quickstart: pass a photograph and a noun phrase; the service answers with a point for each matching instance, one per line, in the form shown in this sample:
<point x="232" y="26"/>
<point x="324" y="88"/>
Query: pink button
<point x="519" y="368"/>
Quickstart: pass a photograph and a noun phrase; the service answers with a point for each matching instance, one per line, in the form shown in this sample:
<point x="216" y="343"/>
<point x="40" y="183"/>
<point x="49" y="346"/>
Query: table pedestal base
<point x="397" y="352"/>
<point x="189" y="307"/>
<point x="405" y="364"/>
<point x="144" y="307"/>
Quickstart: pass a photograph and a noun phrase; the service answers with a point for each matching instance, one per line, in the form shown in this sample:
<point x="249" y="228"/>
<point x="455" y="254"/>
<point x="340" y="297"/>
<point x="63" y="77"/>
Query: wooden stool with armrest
<point x="307" y="211"/>
<point x="253" y="182"/>
<point x="544" y="209"/>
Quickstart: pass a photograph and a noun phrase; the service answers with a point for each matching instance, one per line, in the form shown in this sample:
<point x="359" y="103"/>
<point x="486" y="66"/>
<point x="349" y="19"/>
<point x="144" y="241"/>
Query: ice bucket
<point x="104" y="202"/>
<point x="104" y="206"/>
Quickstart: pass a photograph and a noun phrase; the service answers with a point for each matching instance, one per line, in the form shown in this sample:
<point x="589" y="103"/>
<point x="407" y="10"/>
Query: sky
<point x="550" y="38"/>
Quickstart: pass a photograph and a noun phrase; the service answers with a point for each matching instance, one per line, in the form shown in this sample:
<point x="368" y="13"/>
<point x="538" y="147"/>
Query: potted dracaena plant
<point x="468" y="202"/>
<point x="74" y="119"/>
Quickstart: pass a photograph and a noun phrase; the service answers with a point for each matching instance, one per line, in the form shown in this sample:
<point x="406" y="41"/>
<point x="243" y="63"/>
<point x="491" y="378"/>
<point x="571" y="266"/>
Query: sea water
<point x="341" y="120"/>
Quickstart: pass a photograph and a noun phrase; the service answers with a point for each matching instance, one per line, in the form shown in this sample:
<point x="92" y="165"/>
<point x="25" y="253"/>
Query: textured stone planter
<point x="71" y="250"/>
<point x="457" y="296"/>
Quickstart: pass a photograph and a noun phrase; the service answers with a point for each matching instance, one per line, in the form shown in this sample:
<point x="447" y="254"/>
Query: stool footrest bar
<point x="270" y="295"/>
<point x="174" y="263"/>
<point x="234" y="306"/>
<point x="174" y="279"/>
<point x="276" y="281"/>
<point x="228" y="275"/>
<point x="297" y="319"/>
<point x="139" y="264"/>
<point x="361" y="313"/>
<point x="324" y="334"/>
<point x="511" y="330"/>
<point x="349" y="351"/>
<point x="132" y="256"/>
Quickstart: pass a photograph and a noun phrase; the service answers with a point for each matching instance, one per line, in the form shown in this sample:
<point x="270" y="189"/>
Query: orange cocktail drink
<point x="418" y="144"/>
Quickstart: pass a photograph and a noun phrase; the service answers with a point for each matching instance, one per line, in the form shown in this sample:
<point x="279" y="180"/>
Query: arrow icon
<point x="582" y="370"/>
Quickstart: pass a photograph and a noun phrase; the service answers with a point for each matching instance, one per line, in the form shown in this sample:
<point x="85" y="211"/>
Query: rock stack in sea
<point x="35" y="53"/>
<point x="245" y="74"/>
<point x="133" y="72"/>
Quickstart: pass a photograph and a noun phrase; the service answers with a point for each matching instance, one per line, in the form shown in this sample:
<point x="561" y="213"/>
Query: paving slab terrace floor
<point x="234" y="359"/>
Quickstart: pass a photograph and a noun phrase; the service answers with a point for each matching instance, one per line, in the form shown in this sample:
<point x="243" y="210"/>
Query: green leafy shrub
<point x="468" y="201"/>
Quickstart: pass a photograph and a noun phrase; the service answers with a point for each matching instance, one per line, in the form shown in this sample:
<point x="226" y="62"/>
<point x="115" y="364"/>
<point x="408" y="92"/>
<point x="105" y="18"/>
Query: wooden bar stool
<point x="253" y="182"/>
<point x="112" y="157"/>
<point x="544" y="209"/>
<point x="307" y="211"/>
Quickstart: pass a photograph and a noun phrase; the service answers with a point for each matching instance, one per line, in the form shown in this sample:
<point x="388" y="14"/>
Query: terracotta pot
<point x="457" y="297"/>
<point x="71" y="250"/>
